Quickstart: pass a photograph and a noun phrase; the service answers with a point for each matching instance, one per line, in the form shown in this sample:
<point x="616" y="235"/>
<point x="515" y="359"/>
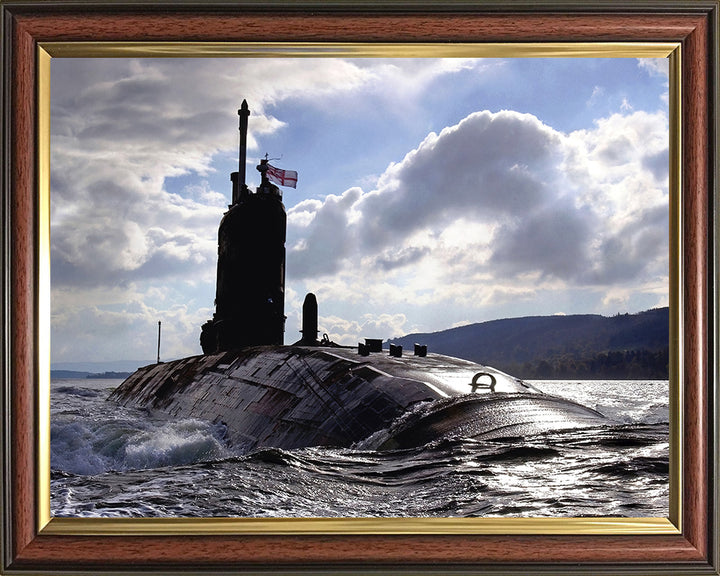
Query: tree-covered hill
<point x="576" y="346"/>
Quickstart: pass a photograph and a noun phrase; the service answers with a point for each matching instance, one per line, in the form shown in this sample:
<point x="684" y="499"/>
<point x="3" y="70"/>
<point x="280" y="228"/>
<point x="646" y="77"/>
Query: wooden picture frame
<point x="30" y="545"/>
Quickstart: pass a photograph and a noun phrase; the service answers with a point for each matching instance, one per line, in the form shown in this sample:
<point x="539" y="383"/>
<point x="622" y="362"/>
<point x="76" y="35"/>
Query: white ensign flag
<point x="282" y="177"/>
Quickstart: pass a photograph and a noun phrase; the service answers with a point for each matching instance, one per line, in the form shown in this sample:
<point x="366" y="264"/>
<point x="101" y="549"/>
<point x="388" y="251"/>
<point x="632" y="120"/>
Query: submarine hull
<point x="503" y="415"/>
<point x="297" y="396"/>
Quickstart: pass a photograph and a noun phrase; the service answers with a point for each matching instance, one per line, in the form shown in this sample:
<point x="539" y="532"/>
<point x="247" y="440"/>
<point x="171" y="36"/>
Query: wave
<point x="118" y="444"/>
<point x="634" y="467"/>
<point x="79" y="391"/>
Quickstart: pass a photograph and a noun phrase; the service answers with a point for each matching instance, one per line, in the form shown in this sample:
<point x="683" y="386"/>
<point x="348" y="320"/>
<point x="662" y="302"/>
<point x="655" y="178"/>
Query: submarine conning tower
<point x="250" y="290"/>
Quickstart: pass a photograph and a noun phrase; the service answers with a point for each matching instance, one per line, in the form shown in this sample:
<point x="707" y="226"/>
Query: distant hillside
<point x="79" y="375"/>
<point x="100" y="367"/>
<point x="577" y="346"/>
<point x="64" y="374"/>
<point x="109" y="375"/>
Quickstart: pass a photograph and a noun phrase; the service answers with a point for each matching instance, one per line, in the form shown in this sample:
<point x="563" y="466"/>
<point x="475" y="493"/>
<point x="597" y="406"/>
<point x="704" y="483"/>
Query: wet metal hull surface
<point x="296" y="396"/>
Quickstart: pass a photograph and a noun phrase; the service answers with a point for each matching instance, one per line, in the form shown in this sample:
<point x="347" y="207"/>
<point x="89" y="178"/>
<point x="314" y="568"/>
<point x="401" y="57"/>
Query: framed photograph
<point x="117" y="51"/>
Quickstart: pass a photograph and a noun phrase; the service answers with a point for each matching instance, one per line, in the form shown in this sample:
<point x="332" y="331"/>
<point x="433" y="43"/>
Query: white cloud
<point x="123" y="325"/>
<point x="499" y="204"/>
<point x="344" y="331"/>
<point x="658" y="67"/>
<point x="655" y="66"/>
<point x="408" y="78"/>
<point x="598" y="93"/>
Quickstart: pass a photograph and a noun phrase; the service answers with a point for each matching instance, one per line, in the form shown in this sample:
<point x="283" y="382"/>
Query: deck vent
<point x="374" y="344"/>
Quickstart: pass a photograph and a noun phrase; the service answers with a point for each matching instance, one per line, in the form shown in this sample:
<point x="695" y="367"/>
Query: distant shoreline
<point x="79" y="375"/>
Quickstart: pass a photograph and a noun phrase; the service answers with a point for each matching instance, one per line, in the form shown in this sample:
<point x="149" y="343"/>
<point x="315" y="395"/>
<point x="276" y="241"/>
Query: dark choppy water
<point x="114" y="461"/>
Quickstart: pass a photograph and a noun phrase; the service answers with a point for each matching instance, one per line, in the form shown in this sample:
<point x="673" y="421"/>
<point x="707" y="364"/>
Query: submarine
<point x="315" y="392"/>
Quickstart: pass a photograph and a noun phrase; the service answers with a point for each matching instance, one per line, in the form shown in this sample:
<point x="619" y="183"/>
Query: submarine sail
<point x="250" y="290"/>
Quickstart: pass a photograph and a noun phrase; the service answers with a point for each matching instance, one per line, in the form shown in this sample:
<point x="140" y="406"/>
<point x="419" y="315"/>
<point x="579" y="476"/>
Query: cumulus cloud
<point x="126" y="331"/>
<point x="497" y="202"/>
<point x="489" y="168"/>
<point x="321" y="232"/>
<point x="345" y="331"/>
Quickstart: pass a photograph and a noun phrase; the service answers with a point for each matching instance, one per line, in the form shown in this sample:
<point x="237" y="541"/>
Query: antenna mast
<point x="158" y="356"/>
<point x="244" y="112"/>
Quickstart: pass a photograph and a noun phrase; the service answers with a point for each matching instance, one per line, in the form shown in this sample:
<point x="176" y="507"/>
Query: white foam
<point x="175" y="443"/>
<point x="93" y="447"/>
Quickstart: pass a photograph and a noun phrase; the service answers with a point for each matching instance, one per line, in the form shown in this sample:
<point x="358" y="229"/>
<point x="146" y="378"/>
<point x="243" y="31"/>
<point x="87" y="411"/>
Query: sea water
<point x="112" y="461"/>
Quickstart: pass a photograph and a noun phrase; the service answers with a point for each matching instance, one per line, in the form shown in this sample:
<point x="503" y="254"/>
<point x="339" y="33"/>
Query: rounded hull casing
<point x="297" y="396"/>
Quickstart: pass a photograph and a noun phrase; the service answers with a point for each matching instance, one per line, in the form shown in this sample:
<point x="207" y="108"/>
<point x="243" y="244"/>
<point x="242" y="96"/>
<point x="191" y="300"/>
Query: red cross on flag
<point x="282" y="177"/>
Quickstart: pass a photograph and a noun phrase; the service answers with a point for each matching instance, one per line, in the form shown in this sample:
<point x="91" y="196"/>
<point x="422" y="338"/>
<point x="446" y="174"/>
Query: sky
<point x="432" y="193"/>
